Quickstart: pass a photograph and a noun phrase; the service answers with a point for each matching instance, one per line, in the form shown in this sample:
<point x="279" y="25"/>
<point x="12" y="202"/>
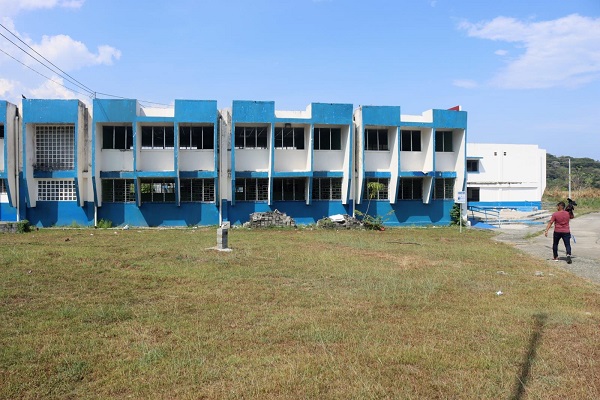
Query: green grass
<point x="405" y="313"/>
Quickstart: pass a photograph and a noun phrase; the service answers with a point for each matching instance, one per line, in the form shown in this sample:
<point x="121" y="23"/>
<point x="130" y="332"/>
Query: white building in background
<point x="506" y="175"/>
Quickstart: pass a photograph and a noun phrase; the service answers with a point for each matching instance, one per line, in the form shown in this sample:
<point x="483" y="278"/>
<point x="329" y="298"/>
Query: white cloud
<point x="52" y="90"/>
<point x="501" y="52"/>
<point x="6" y="87"/>
<point x="71" y="54"/>
<point x="13" y="7"/>
<point x="559" y="53"/>
<point x="465" y="83"/>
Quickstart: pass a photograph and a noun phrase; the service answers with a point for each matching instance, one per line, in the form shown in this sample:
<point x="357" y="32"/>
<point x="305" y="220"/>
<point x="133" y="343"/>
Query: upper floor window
<point x="289" y="138"/>
<point x="376" y="139"/>
<point x="328" y="138"/>
<point x="251" y="137"/>
<point x="327" y="189"/>
<point x="289" y="189"/>
<point x="54" y="147"/>
<point x="118" y="190"/>
<point x="472" y="165"/>
<point x="202" y="190"/>
<point x="197" y="137"/>
<point x="158" y="137"/>
<point x="251" y="189"/>
<point x="1" y="131"/>
<point x="56" y="190"/>
<point x="443" y="189"/>
<point x="378" y="190"/>
<point x="117" y="137"/>
<point x="410" y="141"/>
<point x="158" y="190"/>
<point x="410" y="189"/>
<point x="443" y="141"/>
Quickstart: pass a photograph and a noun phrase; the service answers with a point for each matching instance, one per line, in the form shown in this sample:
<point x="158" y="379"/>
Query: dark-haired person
<point x="560" y="219"/>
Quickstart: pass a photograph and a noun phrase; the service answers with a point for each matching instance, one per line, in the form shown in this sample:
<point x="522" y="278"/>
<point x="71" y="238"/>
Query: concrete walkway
<point x="586" y="249"/>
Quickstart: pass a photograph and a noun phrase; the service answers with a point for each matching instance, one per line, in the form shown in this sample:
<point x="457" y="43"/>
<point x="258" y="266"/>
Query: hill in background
<point x="585" y="173"/>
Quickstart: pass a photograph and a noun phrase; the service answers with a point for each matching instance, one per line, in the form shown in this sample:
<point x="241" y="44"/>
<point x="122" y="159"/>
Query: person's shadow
<point x="534" y="342"/>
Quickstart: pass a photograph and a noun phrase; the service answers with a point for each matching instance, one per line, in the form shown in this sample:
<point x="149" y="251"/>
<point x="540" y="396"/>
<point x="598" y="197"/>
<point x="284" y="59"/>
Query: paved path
<point x="586" y="250"/>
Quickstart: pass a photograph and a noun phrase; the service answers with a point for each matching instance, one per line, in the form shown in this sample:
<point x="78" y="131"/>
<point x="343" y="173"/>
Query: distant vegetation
<point x="585" y="173"/>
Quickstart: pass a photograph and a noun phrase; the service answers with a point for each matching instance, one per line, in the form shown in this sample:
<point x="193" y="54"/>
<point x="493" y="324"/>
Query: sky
<point x="527" y="72"/>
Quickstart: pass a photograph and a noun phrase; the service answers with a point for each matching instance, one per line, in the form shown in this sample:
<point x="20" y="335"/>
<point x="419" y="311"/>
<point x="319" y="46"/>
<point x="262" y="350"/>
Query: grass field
<point x="404" y="313"/>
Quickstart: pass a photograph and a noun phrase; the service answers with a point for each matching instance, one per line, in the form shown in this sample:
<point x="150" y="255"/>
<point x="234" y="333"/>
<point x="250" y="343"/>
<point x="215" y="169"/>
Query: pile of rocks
<point x="269" y="219"/>
<point x="340" y="221"/>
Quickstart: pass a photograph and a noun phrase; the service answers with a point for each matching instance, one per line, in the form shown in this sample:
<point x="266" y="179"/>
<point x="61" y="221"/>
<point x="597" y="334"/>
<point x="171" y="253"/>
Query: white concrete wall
<point x="156" y="160"/>
<point x="196" y="160"/>
<point x="115" y="160"/>
<point x="287" y="160"/>
<point x="252" y="159"/>
<point x="329" y="160"/>
<point x="378" y="160"/>
<point x="2" y="144"/>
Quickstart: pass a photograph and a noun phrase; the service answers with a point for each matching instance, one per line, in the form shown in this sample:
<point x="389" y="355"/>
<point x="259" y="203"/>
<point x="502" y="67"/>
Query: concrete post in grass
<point x="222" y="236"/>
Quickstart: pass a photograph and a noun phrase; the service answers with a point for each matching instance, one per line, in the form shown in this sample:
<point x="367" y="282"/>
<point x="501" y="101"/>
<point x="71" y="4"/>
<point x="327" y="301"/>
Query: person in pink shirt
<point x="560" y="219"/>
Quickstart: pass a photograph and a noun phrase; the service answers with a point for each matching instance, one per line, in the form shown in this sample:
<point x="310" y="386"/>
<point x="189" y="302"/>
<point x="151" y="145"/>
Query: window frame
<point x="260" y="186"/>
<point x="289" y="189"/>
<point x="415" y="192"/>
<point x="473" y="194"/>
<point x="333" y="188"/>
<point x="446" y="188"/>
<point x="186" y="139"/>
<point x="297" y="144"/>
<point x="1" y="131"/>
<point x="51" y="141"/>
<point x="444" y="145"/>
<point x="255" y="131"/>
<point x="110" y="194"/>
<point x="476" y="162"/>
<point x="414" y="135"/>
<point x="380" y="196"/>
<point x="201" y="190"/>
<point x="162" y="190"/>
<point x="155" y="142"/>
<point x="375" y="135"/>
<point x="50" y="190"/>
<point x="329" y="133"/>
<point x="127" y="137"/>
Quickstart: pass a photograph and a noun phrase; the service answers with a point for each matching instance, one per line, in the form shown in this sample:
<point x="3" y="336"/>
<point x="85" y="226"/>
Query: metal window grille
<point x="381" y="194"/>
<point x="289" y="189"/>
<point x="118" y="190"/>
<point x="410" y="189"/>
<point x="56" y="190"/>
<point x="327" y="189"/>
<point x="198" y="190"/>
<point x="158" y="190"/>
<point x="252" y="189"/>
<point x="55" y="147"/>
<point x="3" y="186"/>
<point x="443" y="189"/>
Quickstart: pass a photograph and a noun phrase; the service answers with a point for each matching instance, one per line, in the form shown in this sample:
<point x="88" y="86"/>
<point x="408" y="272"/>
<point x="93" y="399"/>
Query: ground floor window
<point x="376" y="189"/>
<point x="410" y="189"/>
<point x="251" y="189"/>
<point x="289" y="189"/>
<point x="118" y="190"/>
<point x="202" y="190"/>
<point x="3" y="186"/>
<point x="327" y="189"/>
<point x="473" y="194"/>
<point x="443" y="189"/>
<point x="56" y="190"/>
<point x="158" y="190"/>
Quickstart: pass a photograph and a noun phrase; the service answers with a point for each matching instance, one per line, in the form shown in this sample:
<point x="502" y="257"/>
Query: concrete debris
<point x="269" y="219"/>
<point x="539" y="273"/>
<point x="339" y="221"/>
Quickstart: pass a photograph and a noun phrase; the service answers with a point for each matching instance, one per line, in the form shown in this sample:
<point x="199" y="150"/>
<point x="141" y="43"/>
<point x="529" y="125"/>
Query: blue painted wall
<point x="516" y="205"/>
<point x="61" y="213"/>
<point x="115" y="110"/>
<point x="196" y="111"/>
<point x="381" y="115"/>
<point x="160" y="214"/>
<point x="298" y="210"/>
<point x="7" y="212"/>
<point x="410" y="212"/>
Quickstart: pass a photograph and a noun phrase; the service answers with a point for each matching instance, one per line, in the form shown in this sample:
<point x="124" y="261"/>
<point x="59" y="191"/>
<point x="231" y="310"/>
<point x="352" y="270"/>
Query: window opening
<point x="376" y="139"/>
<point x="473" y="194"/>
<point x="289" y="189"/>
<point x="410" y="189"/>
<point x="472" y="165"/>
<point x="197" y="190"/>
<point x="55" y="147"/>
<point x="443" y="141"/>
<point x="158" y="190"/>
<point x="251" y="189"/>
<point x="3" y="186"/>
<point x="381" y="194"/>
<point x="410" y="140"/>
<point x="328" y="138"/>
<point x="1" y="131"/>
<point x="327" y="189"/>
<point x="289" y="138"/>
<point x="117" y="138"/>
<point x="197" y="137"/>
<point x="443" y="189"/>
<point x="56" y="190"/>
<point x="251" y="137"/>
<point x="158" y="137"/>
<point x="118" y="190"/>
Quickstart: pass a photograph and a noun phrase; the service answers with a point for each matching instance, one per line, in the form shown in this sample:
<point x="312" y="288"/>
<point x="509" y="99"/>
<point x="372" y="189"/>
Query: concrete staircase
<point x="505" y="216"/>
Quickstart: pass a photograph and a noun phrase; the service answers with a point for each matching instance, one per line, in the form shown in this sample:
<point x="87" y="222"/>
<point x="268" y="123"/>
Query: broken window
<point x="158" y="137"/>
<point x="56" y="190"/>
<point x="197" y="137"/>
<point x="117" y="137"/>
<point x="251" y="189"/>
<point x="54" y="147"/>
<point x="443" y="141"/>
<point x="410" y="189"/>
<point x="118" y="191"/>
<point x="157" y="190"/>
<point x="328" y="138"/>
<point x="376" y="139"/>
<point x="380" y="194"/>
<point x="198" y="190"/>
<point x="289" y="138"/>
<point x="289" y="189"/>
<point x="327" y="189"/>
<point x="251" y="137"/>
<point x="443" y="189"/>
<point x="410" y="141"/>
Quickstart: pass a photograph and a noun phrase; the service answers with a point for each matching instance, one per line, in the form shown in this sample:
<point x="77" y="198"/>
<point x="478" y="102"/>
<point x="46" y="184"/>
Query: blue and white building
<point x="193" y="164"/>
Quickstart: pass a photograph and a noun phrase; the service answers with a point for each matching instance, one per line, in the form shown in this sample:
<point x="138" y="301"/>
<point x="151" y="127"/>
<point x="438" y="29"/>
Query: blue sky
<point x="525" y="71"/>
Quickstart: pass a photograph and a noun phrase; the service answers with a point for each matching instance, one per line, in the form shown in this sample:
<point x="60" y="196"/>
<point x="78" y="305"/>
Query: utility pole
<point x="569" y="178"/>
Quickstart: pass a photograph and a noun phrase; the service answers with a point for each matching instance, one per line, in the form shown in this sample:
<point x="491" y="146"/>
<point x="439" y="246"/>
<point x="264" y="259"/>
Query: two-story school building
<point x="194" y="164"/>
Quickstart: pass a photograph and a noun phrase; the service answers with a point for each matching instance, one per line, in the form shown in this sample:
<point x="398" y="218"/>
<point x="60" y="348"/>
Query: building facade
<point x="506" y="176"/>
<point x="194" y="164"/>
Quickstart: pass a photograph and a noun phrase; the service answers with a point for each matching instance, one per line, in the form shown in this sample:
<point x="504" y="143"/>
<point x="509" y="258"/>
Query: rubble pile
<point x="269" y="219"/>
<point x="339" y="221"/>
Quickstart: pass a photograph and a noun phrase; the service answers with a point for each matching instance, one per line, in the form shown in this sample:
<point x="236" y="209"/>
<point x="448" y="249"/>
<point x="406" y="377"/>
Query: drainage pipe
<point x="17" y="164"/>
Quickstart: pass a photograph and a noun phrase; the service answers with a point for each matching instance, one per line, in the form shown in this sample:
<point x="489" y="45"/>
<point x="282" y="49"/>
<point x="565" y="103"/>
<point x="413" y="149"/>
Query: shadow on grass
<point x="534" y="341"/>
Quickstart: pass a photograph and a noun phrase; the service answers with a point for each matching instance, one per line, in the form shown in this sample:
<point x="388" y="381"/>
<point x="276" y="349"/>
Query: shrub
<point x="23" y="226"/>
<point x="104" y="223"/>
